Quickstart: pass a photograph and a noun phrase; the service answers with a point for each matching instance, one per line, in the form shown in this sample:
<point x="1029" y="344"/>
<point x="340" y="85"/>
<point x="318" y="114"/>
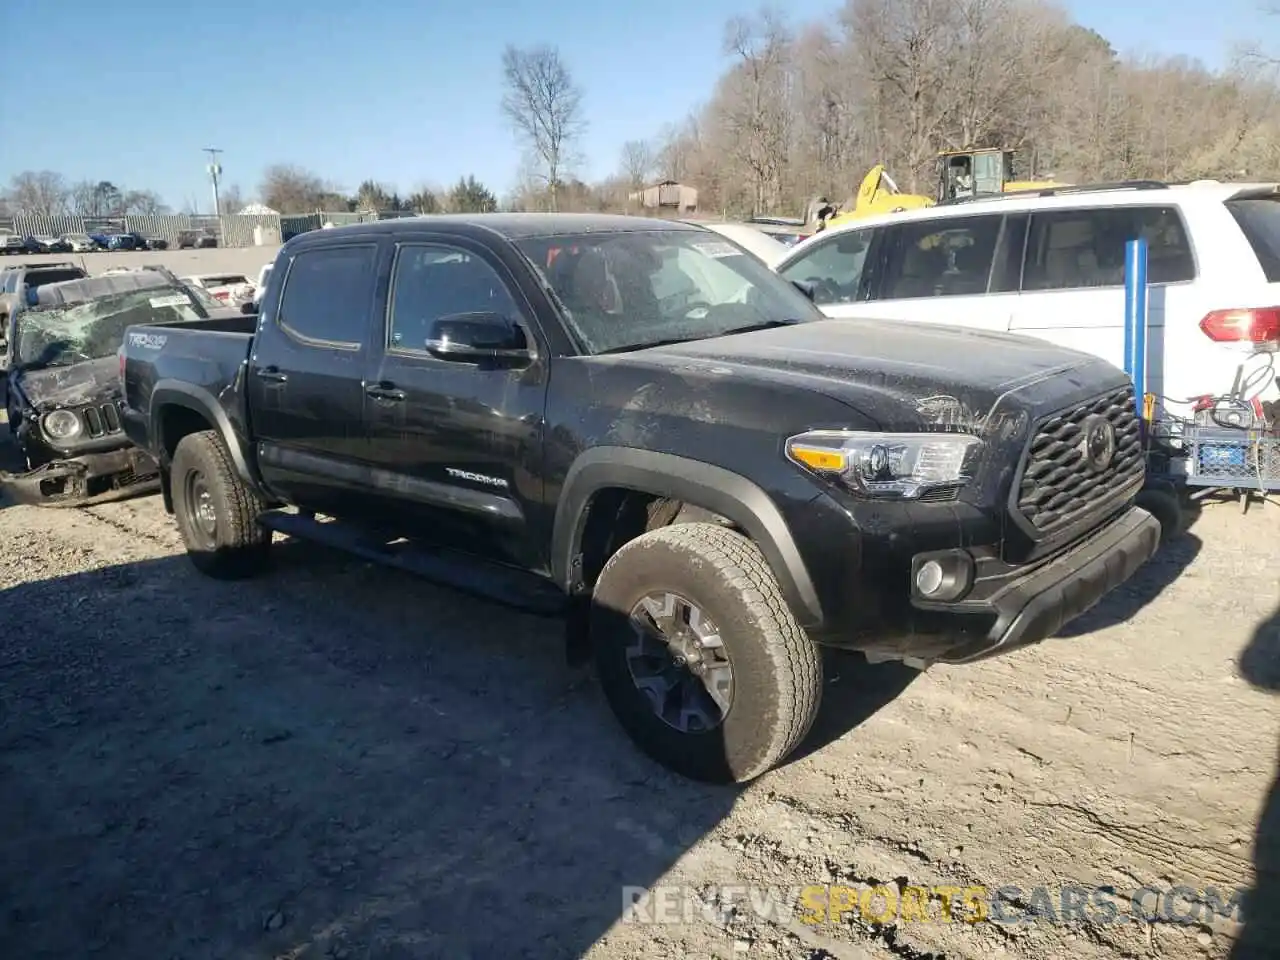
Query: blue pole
<point x="1135" y="318"/>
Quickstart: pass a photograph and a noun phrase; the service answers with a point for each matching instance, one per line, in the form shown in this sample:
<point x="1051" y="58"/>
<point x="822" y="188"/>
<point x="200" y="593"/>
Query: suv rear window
<point x="1259" y="220"/>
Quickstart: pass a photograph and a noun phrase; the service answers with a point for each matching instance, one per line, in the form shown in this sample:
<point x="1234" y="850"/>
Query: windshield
<point x="626" y="291"/>
<point x="61" y="336"/>
<point x="224" y="279"/>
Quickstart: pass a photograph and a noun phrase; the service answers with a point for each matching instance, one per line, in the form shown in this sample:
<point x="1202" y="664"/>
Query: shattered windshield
<point x="61" y="336"/>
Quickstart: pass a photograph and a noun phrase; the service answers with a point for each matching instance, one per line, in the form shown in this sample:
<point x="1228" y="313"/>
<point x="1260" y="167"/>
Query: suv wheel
<point x="217" y="514"/>
<point x="699" y="656"/>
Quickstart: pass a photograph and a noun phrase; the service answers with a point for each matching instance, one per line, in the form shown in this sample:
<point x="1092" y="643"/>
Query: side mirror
<point x="806" y="287"/>
<point x="477" y="336"/>
<point x="248" y="307"/>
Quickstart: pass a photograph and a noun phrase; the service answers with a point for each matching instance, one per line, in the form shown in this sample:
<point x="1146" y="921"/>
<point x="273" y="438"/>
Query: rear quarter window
<point x="1077" y="249"/>
<point x="1259" y="221"/>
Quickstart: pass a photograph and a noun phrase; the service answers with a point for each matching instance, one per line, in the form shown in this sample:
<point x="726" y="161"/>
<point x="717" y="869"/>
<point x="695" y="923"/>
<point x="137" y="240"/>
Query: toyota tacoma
<point x="636" y="424"/>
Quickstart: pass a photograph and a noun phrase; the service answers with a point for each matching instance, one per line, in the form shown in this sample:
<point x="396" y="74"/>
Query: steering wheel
<point x="824" y="290"/>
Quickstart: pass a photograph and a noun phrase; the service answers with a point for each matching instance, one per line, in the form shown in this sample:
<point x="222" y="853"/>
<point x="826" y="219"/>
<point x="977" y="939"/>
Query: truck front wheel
<point x="217" y="514"/>
<point x="699" y="655"/>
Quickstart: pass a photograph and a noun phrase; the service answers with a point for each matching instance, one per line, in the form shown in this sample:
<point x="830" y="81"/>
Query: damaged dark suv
<point x="63" y="385"/>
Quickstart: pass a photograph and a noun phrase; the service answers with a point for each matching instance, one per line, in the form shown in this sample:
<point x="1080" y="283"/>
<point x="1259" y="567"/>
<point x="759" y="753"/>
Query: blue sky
<point x="403" y="91"/>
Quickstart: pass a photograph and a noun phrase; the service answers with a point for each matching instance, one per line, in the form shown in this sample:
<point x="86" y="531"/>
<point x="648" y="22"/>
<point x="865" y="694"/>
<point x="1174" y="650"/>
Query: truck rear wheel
<point x="699" y="655"/>
<point x="216" y="513"/>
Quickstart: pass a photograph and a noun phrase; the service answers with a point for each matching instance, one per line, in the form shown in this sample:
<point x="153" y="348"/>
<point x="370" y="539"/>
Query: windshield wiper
<point x="767" y="325"/>
<point x="654" y="343"/>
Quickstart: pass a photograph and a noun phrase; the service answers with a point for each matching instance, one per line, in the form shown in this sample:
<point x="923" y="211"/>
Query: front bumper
<point x="1037" y="605"/>
<point x="85" y="480"/>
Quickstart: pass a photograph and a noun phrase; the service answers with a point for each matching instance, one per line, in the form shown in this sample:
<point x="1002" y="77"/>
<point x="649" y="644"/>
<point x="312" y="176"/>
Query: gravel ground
<point x="342" y="761"/>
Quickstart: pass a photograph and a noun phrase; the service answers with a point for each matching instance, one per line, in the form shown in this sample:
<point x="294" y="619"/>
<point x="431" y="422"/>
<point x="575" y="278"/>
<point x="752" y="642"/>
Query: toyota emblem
<point x="1098" y="442"/>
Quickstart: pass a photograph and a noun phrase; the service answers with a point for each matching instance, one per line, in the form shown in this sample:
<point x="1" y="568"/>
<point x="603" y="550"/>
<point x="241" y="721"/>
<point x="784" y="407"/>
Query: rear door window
<point x="1075" y="249"/>
<point x="950" y="257"/>
<point x="1259" y="220"/>
<point x="328" y="294"/>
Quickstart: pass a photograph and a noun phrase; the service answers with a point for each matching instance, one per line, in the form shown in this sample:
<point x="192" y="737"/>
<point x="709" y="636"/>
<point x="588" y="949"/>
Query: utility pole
<point x="215" y="171"/>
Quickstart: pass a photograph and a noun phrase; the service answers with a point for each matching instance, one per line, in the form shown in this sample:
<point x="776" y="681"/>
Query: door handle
<point x="384" y="391"/>
<point x="272" y="374"/>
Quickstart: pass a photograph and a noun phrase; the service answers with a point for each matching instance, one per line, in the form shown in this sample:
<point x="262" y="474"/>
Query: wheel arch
<point x="179" y="409"/>
<point x="663" y="476"/>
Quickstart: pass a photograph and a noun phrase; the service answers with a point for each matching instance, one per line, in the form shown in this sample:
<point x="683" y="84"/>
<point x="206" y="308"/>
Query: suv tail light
<point x="1256" y="325"/>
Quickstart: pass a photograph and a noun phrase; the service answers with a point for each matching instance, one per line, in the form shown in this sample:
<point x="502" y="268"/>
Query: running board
<point x="505" y="585"/>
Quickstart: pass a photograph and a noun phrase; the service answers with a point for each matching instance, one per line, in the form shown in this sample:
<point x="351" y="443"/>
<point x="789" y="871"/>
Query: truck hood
<point x="888" y="370"/>
<point x="87" y="382"/>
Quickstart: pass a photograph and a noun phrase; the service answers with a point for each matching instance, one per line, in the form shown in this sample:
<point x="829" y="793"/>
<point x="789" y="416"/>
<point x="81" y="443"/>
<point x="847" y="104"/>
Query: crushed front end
<point x="77" y="455"/>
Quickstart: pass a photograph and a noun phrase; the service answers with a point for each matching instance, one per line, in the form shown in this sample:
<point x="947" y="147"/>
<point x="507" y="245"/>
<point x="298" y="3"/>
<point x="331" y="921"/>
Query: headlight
<point x="61" y="425"/>
<point x="891" y="465"/>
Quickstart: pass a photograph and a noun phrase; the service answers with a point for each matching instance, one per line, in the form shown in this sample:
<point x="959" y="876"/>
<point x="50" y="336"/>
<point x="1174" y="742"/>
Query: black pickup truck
<point x="636" y="423"/>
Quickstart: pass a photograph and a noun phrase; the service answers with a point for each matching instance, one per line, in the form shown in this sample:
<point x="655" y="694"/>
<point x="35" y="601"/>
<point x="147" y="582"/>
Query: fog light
<point x="930" y="578"/>
<point x="943" y="577"/>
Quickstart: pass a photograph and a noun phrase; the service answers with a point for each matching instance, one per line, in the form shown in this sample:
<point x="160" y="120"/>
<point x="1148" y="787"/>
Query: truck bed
<point x="204" y="357"/>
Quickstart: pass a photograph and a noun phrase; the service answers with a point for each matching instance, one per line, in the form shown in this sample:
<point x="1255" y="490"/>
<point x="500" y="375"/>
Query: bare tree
<point x="753" y="103"/>
<point x="544" y="106"/>
<point x="41" y="193"/>
<point x="291" y="189"/>
<point x="231" y="198"/>
<point x="96" y="198"/>
<point x="637" y="162"/>
<point x="143" y="203"/>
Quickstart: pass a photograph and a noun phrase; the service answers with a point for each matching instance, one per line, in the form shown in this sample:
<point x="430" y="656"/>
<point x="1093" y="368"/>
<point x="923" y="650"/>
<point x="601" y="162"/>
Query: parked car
<point x="786" y="230"/>
<point x="63" y="389"/>
<point x="709" y="488"/>
<point x="750" y="238"/>
<point x="18" y="279"/>
<point x="1052" y="265"/>
<point x="231" y="288"/>
<point x="50" y="244"/>
<point x="260" y="286"/>
<point x="80" y="243"/>
<point x="196" y="239"/>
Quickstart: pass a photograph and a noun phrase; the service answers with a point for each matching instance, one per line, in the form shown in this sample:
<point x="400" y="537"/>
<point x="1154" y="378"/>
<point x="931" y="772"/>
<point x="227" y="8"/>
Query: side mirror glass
<point x="477" y="336"/>
<point x="806" y="287"/>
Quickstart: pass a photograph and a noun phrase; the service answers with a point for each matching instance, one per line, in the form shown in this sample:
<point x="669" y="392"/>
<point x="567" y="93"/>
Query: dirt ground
<point x="342" y="761"/>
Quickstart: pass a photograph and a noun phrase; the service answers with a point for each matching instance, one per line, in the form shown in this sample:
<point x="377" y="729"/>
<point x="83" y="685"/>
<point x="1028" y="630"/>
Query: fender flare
<point x="693" y="481"/>
<point x="176" y="393"/>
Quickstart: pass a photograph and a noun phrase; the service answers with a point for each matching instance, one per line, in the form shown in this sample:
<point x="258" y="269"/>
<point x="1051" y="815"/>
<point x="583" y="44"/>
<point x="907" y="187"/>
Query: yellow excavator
<point x="961" y="173"/>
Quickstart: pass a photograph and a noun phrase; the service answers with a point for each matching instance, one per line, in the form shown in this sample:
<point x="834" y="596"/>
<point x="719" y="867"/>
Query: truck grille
<point x="102" y="420"/>
<point x="1059" y="484"/>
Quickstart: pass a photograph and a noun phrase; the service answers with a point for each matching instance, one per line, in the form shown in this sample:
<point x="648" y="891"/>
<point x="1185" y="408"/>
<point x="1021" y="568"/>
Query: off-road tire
<point x="777" y="668"/>
<point x="239" y="548"/>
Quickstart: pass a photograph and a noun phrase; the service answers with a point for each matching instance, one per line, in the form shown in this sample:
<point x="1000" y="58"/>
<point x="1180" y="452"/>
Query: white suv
<point x="1050" y="264"/>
